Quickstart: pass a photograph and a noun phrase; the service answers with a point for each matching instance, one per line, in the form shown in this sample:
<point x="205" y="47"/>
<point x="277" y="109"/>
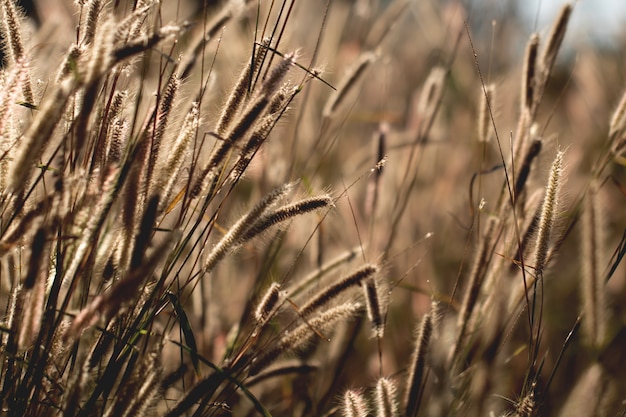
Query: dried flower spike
<point x="529" y="73"/>
<point x="374" y="307"/>
<point x="354" y="404"/>
<point x="332" y="291"/>
<point x="592" y="283"/>
<point x="386" y="398"/>
<point x="418" y="365"/>
<point x="549" y="211"/>
<point x="266" y="307"/>
<point x="348" y="82"/>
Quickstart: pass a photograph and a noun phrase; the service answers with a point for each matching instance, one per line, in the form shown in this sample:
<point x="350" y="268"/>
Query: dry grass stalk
<point x="274" y="80"/>
<point x="524" y="170"/>
<point x="475" y="281"/>
<point x="522" y="135"/>
<point x="139" y="398"/>
<point x="549" y="211"/>
<point x="240" y="91"/>
<point x="348" y="82"/>
<point x="91" y="22"/>
<point x="12" y="30"/>
<point x="374" y="307"/>
<point x="141" y="44"/>
<point x="103" y="142"/>
<point x="332" y="291"/>
<point x="617" y="134"/>
<point x="553" y="44"/>
<point x="235" y="100"/>
<point x="531" y="209"/>
<point x="526" y="406"/>
<point x="117" y="137"/>
<point x="70" y="65"/>
<point x="144" y="234"/>
<point x="75" y="199"/>
<point x="430" y="97"/>
<point x="34" y="290"/>
<point x="373" y="185"/>
<point x="529" y="74"/>
<point x="207" y="33"/>
<point x="413" y="386"/>
<point x="11" y="86"/>
<point x="38" y="134"/>
<point x="108" y="116"/>
<point x="285" y="213"/>
<point x="73" y="393"/>
<point x="253" y="144"/>
<point x="101" y="53"/>
<point x="275" y="110"/>
<point x="162" y="117"/>
<point x="135" y="194"/>
<point x="92" y="228"/>
<point x="590" y="394"/>
<point x="180" y="148"/>
<point x="236" y="233"/>
<point x="592" y="282"/>
<point x="304" y="334"/>
<point x="282" y="97"/>
<point x="618" y="146"/>
<point x="108" y="304"/>
<point x="246" y="122"/>
<point x="14" y="44"/>
<point x="617" y="117"/>
<point x="487" y="106"/>
<point x="146" y="396"/>
<point x="130" y="27"/>
<point x="267" y="306"/>
<point x="115" y="109"/>
<point x="13" y="310"/>
<point x="317" y="274"/>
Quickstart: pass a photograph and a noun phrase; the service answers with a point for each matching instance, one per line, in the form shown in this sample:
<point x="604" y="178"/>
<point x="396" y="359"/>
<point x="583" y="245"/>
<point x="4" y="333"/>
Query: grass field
<point x="350" y="208"/>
